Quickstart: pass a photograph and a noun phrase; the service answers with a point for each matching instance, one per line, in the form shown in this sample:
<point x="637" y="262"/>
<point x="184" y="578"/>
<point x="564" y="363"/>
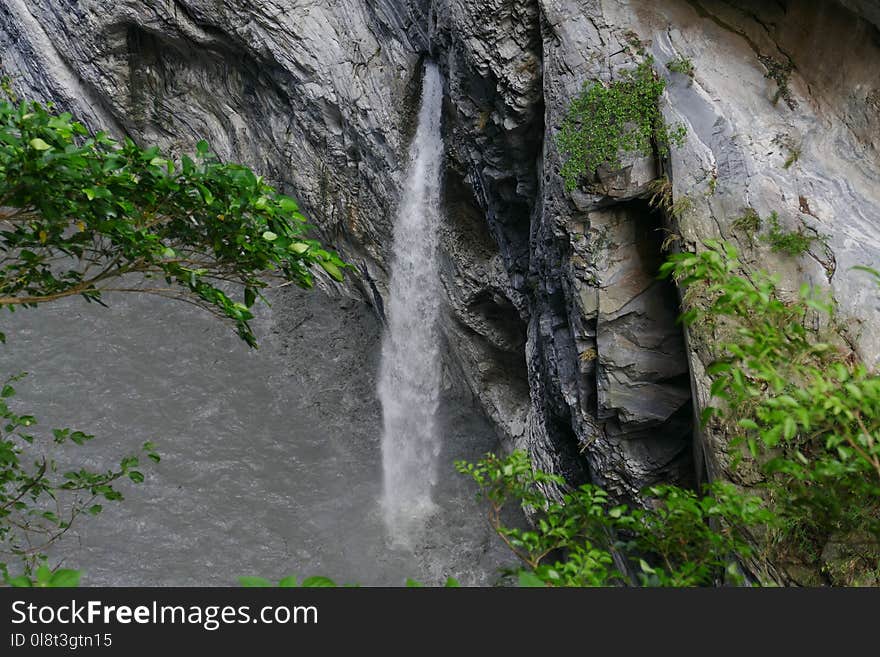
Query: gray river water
<point x="271" y="460"/>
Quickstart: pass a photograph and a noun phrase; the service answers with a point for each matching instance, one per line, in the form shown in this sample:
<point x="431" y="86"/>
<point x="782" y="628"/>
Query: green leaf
<point x="79" y="438"/>
<point x="7" y="391"/>
<point x="65" y="578"/>
<point x="289" y="582"/>
<point x="318" y="582"/>
<point x="206" y="194"/>
<point x="413" y="584"/>
<point x="718" y="367"/>
<point x="528" y="579"/>
<point x="287" y="204"/>
<point x="269" y="236"/>
<point x="43" y="575"/>
<point x="332" y="269"/>
<point x="646" y="568"/>
<point x="136" y="477"/>
<point x="38" y="144"/>
<point x="753" y="447"/>
<point x="451" y="583"/>
<point x="299" y="247"/>
<point x="254" y="582"/>
<point x="20" y="582"/>
<point x="706" y="415"/>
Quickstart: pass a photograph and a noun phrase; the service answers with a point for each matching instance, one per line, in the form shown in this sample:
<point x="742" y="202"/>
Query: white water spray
<point x="409" y="382"/>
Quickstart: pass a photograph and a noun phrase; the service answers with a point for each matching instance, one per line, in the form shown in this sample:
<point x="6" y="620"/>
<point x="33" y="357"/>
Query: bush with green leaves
<point x="680" y="539"/>
<point x="291" y="581"/>
<point x="792" y="242"/>
<point x="82" y="214"/>
<point x="44" y="577"/>
<point x="804" y="408"/>
<point x="604" y="121"/>
<point x="682" y="65"/>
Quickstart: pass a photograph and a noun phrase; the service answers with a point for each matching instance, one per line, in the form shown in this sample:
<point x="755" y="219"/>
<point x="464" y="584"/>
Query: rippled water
<point x="271" y="462"/>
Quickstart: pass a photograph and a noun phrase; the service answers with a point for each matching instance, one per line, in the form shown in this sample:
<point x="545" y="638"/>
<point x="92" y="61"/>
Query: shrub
<point x="605" y="121"/>
<point x="681" y="65"/>
<point x="806" y="412"/>
<point x="794" y="243"/>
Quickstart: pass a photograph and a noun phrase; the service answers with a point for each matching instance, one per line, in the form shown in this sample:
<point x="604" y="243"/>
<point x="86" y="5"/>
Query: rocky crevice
<point x="608" y="395"/>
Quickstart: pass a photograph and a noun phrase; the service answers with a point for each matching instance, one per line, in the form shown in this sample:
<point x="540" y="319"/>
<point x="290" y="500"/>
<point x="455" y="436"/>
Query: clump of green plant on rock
<point x="682" y="65"/>
<point x="605" y="120"/>
<point x="792" y="242"/>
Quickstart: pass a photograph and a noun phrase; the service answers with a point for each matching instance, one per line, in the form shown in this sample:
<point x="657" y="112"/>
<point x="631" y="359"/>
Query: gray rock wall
<point x="556" y="322"/>
<point x="315" y="96"/>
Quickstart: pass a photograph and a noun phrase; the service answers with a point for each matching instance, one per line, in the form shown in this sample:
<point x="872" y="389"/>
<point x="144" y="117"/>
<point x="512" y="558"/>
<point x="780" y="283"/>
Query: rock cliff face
<point x="556" y="321"/>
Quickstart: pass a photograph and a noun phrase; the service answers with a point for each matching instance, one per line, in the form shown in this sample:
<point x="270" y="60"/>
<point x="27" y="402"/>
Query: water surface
<point x="271" y="462"/>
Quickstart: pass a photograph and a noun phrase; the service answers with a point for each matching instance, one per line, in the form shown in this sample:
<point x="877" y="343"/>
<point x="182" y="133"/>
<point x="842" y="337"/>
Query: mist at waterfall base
<point x="409" y="383"/>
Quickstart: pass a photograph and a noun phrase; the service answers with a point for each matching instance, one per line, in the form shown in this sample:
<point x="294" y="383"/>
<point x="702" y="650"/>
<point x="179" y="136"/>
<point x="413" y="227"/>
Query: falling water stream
<point x="409" y="383"/>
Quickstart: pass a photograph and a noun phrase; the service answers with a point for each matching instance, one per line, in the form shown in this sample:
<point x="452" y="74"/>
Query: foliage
<point x="45" y="578"/>
<point x="82" y="212"/>
<point x="749" y="222"/>
<point x="661" y="197"/>
<point x="660" y="193"/>
<point x="588" y="355"/>
<point x="681" y="65"/>
<point x="680" y="540"/>
<point x="287" y="582"/>
<point x="780" y="73"/>
<point x="806" y="411"/>
<point x="681" y="206"/>
<point x="321" y="582"/>
<point x="794" y="243"/>
<point x="604" y="121"/>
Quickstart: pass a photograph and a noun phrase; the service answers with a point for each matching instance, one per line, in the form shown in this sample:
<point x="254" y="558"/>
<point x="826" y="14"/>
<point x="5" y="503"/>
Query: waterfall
<point x="409" y="381"/>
